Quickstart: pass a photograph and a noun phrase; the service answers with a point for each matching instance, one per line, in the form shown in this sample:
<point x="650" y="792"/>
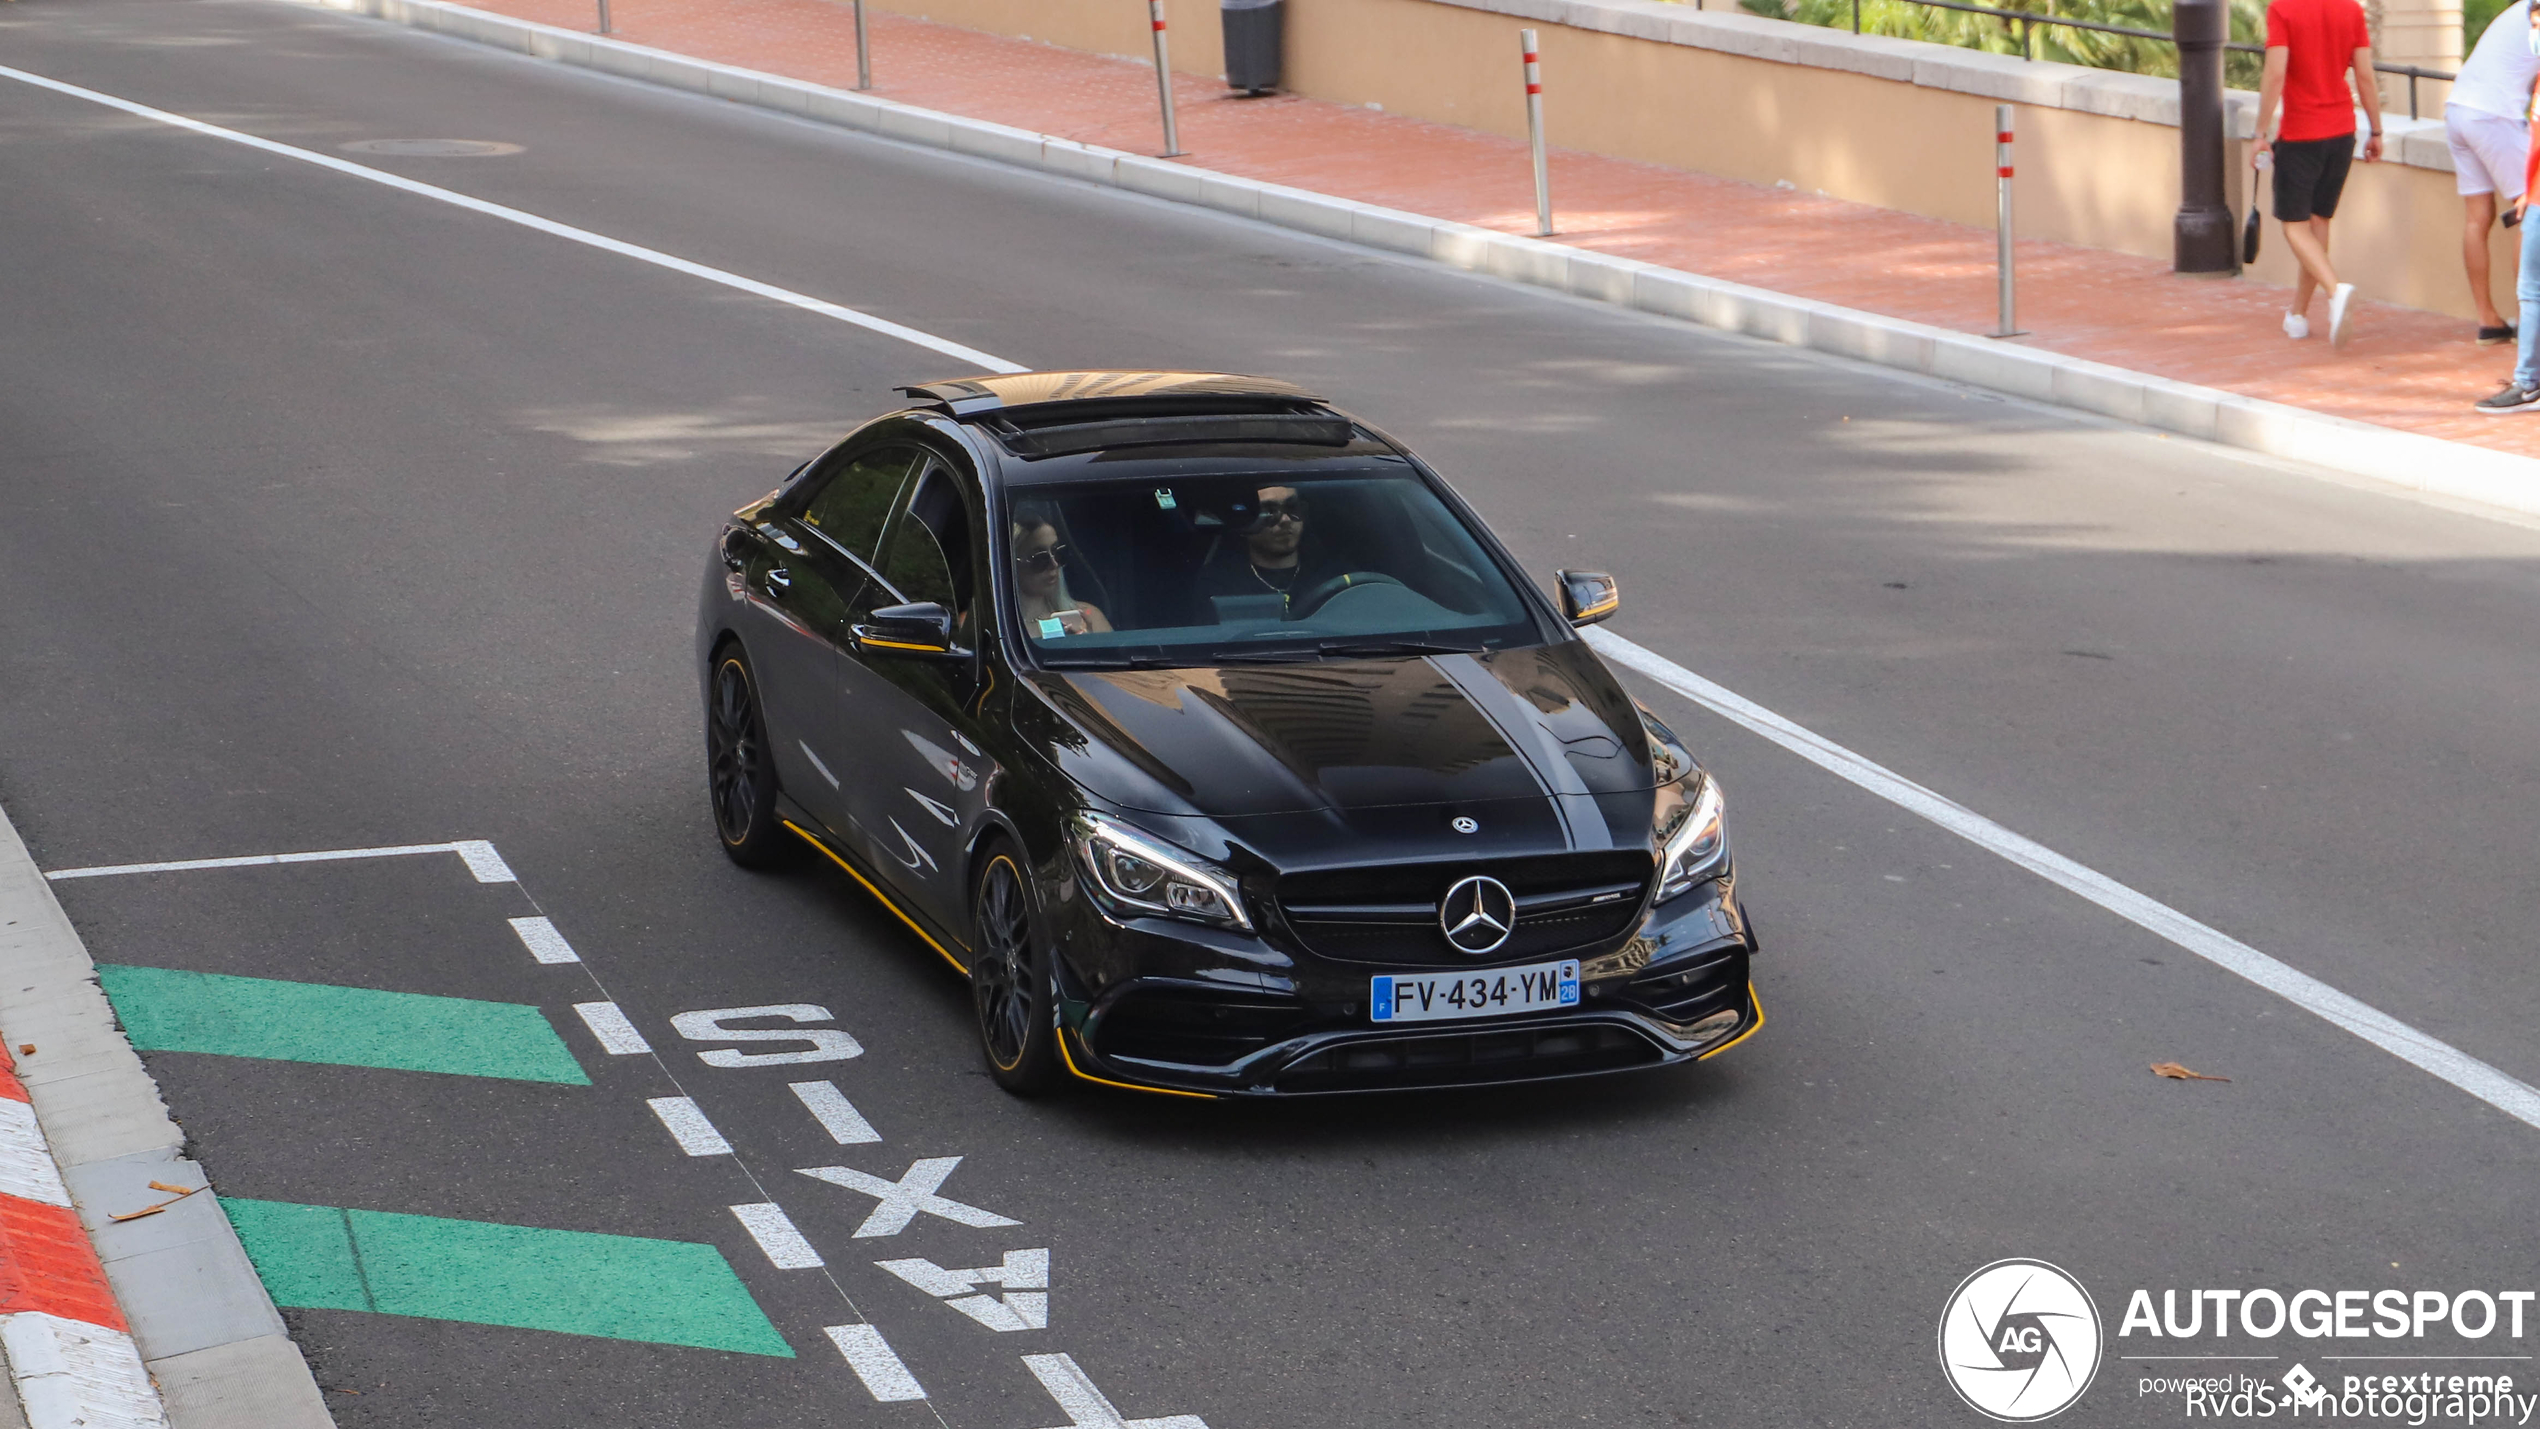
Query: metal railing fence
<point x="2029" y="18"/>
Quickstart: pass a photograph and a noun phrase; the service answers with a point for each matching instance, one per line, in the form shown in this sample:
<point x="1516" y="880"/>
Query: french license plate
<point x="1439" y="997"/>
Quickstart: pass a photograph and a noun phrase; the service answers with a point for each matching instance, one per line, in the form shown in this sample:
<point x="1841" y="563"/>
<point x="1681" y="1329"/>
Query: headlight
<point x="1690" y="832"/>
<point x="1136" y="871"/>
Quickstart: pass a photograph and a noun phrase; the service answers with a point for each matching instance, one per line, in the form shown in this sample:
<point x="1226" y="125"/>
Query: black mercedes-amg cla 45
<point x="1221" y="747"/>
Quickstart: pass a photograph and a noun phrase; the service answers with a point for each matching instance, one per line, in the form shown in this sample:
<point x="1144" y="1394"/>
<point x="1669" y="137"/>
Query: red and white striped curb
<point x="70" y="1352"/>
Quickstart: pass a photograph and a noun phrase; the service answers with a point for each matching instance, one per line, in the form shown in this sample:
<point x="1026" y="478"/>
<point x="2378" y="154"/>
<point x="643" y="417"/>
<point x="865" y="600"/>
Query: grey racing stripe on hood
<point x="1522" y="726"/>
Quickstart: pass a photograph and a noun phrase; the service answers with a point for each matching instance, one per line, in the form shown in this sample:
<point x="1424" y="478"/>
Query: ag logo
<point x="2019" y="1340"/>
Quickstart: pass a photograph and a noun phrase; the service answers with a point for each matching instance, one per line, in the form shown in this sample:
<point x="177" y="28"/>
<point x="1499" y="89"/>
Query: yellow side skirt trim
<point x="1125" y="1086"/>
<point x="809" y="838"/>
<point x="1749" y="1032"/>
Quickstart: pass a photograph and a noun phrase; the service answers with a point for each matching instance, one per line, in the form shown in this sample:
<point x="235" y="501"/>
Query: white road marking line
<point x="836" y="1115"/>
<point x="543" y="941"/>
<point x="873" y="1361"/>
<point x="828" y="1044"/>
<point x="774" y="1231"/>
<point x="659" y="259"/>
<point x="481" y="860"/>
<point x="618" y="1036"/>
<point x="902" y="1200"/>
<point x="1085" y="1406"/>
<point x="256" y="860"/>
<point x="1025" y="1277"/>
<point x="2514" y="1098"/>
<point x="687" y="1124"/>
<point x="27" y="1168"/>
<point x="1019" y="1310"/>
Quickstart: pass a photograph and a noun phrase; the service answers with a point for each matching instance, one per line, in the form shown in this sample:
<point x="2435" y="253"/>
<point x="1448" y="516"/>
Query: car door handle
<point x="779" y="579"/>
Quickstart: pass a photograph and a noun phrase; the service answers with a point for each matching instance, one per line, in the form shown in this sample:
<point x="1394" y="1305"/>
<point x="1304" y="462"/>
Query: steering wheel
<point x="1321" y="593"/>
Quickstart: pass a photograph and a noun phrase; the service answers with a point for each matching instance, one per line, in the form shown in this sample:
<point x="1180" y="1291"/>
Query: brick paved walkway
<point x="2406" y="368"/>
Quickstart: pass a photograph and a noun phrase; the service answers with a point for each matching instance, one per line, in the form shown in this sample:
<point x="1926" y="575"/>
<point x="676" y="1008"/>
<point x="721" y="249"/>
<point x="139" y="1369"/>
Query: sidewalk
<point x="2406" y="369"/>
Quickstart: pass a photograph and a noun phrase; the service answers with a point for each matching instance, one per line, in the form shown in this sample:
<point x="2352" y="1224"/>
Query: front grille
<point x="1450" y="1058"/>
<point x="1682" y="993"/>
<point x="1193" y="1027"/>
<point x="1566" y="903"/>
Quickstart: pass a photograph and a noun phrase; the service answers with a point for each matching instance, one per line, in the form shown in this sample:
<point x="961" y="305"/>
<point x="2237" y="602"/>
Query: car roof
<point x="1010" y="393"/>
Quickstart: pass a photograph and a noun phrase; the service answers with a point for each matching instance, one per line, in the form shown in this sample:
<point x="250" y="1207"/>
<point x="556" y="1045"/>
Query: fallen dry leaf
<point x="180" y="1192"/>
<point x="136" y="1215"/>
<point x="26" y="1049"/>
<point x="2178" y="1073"/>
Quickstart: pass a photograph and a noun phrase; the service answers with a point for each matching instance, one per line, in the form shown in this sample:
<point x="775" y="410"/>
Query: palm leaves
<point x="1908" y="20"/>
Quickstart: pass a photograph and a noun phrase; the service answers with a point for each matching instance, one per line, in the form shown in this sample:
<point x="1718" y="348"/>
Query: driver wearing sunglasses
<point x="1040" y="580"/>
<point x="1270" y="560"/>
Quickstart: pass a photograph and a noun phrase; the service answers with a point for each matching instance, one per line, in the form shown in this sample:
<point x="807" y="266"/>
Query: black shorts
<point x="2309" y="175"/>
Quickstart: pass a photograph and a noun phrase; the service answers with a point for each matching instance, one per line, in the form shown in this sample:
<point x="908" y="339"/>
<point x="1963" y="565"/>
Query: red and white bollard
<point x="1534" y="133"/>
<point x="2009" y="326"/>
<point x="1164" y="78"/>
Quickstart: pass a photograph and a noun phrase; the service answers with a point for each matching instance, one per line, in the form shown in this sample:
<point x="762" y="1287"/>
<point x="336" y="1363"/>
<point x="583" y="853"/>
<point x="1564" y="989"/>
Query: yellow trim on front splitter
<point x="1749" y="1032"/>
<point x="1125" y="1086"/>
<point x="809" y="838"/>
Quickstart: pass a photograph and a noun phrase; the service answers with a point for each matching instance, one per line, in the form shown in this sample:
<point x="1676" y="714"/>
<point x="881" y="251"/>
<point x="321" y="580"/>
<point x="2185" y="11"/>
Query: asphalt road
<point x="335" y="517"/>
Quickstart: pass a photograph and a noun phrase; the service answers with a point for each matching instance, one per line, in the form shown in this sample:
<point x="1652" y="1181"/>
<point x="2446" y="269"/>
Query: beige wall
<point x="1105" y="27"/>
<point x="2426" y="33"/>
<point x="2084" y="178"/>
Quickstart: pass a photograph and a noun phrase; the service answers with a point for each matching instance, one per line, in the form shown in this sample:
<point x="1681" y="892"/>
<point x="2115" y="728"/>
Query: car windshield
<point x="1220" y="569"/>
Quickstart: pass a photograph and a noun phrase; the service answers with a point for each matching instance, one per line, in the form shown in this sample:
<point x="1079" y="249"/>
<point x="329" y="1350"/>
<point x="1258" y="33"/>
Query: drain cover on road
<point x="432" y="148"/>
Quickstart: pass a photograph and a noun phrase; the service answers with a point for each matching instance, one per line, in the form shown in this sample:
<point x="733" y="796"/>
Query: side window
<point x="929" y="556"/>
<point x="851" y="502"/>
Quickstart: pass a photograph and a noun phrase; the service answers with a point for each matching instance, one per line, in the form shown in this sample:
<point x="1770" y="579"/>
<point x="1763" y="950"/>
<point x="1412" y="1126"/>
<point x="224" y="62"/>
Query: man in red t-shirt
<point x="2312" y="45"/>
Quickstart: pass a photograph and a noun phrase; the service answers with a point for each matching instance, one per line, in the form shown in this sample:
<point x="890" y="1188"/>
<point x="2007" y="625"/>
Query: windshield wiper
<point x="1288" y="656"/>
<point x="1375" y="648"/>
<point x="1117" y="662"/>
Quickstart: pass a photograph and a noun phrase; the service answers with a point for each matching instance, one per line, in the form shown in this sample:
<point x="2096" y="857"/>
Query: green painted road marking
<point x="618" y="1287"/>
<point x="169" y="1011"/>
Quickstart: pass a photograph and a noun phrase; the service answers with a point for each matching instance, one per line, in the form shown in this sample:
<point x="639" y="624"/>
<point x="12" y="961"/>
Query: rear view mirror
<point x="1587" y="596"/>
<point x="924" y="628"/>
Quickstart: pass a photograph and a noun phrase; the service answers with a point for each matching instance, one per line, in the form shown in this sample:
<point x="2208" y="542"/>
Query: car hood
<point x="1342" y="736"/>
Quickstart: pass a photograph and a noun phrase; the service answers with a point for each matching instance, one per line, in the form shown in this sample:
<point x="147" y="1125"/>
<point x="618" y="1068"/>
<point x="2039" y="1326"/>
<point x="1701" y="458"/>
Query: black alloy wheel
<point x="740" y="779"/>
<point x="1009" y="982"/>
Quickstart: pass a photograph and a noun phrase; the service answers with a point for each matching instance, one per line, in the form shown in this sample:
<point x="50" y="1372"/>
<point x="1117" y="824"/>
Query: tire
<point x="1011" y="996"/>
<point x="740" y="777"/>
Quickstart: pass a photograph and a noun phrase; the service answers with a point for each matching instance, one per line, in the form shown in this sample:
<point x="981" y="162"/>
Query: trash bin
<point x="1252" y="43"/>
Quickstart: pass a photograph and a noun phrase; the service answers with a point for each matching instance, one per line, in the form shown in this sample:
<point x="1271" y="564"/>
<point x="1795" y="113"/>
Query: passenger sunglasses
<point x="1042" y="561"/>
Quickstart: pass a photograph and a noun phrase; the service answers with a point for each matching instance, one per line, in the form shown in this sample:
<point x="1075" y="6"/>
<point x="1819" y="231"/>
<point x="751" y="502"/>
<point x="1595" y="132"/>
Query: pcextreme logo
<point x="2019" y="1341"/>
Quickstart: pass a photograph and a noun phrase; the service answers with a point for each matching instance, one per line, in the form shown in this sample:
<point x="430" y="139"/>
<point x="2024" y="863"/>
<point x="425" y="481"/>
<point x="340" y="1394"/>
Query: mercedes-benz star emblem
<point x="1478" y="914"/>
<point x="1465" y="824"/>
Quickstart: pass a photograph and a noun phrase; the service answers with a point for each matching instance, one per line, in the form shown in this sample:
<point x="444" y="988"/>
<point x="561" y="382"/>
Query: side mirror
<point x="1587" y="596"/>
<point x="922" y="629"/>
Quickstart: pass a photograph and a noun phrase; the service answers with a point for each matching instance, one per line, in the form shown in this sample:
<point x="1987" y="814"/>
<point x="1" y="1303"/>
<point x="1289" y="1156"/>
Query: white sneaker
<point x="2341" y="317"/>
<point x="2296" y="326"/>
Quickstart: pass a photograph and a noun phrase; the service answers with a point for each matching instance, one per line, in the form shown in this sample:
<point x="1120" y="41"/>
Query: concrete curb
<point x="204" y="1327"/>
<point x="2404" y="459"/>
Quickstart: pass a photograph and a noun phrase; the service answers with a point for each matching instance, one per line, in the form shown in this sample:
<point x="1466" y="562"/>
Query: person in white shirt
<point x="2487" y="121"/>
